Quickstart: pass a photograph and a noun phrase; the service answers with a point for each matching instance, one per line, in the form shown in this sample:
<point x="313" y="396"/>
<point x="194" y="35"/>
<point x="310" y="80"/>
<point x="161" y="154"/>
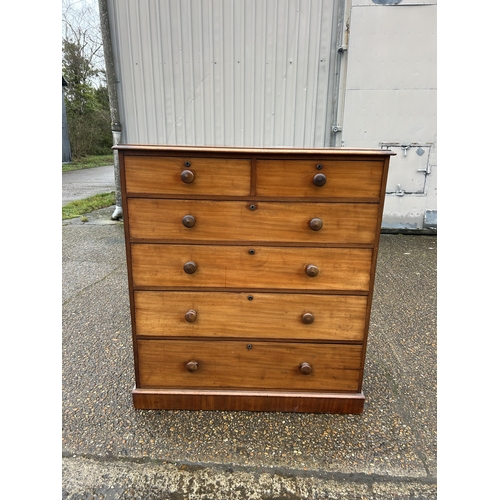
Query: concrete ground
<point x="112" y="451"/>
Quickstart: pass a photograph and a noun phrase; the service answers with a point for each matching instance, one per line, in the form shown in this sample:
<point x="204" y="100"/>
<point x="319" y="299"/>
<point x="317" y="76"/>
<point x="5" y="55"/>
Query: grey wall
<point x="225" y="72"/>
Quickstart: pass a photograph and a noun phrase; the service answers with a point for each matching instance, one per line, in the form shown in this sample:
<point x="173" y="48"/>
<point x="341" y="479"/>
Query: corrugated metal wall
<point x="226" y="72"/>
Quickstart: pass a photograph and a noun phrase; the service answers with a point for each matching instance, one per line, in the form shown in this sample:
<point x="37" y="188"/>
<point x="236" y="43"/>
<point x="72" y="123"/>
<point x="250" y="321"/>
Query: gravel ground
<point x="110" y="450"/>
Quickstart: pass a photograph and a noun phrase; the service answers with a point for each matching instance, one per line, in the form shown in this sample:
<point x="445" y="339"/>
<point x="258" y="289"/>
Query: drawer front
<point x="204" y="176"/>
<point x="244" y="365"/>
<point x="201" y="220"/>
<point x="250" y="267"/>
<point x="295" y="178"/>
<point x="256" y="315"/>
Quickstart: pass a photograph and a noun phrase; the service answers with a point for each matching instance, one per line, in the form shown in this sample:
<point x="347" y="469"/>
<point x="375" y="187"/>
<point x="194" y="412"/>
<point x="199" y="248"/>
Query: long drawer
<point x="256" y="315"/>
<point x="243" y="365"/>
<point x="334" y="178"/>
<point x="250" y="267"/>
<point x="203" y="220"/>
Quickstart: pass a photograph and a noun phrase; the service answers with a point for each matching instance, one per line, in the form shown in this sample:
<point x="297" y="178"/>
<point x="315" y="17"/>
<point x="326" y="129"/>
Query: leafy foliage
<point x="86" y="95"/>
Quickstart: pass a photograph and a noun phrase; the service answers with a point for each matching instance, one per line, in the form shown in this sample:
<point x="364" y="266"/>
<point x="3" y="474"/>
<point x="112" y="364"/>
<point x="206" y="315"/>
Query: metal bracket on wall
<point x="405" y="147"/>
<point x="418" y="145"/>
<point x="426" y="170"/>
<point x="399" y="191"/>
<point x="336" y="129"/>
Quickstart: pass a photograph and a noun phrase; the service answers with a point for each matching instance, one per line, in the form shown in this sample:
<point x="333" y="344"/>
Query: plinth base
<point x="300" y="402"/>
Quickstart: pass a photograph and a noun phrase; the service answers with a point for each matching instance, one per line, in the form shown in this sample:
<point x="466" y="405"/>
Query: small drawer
<point x="187" y="175"/>
<point x="256" y="315"/>
<point x="248" y="365"/>
<point x="203" y="220"/>
<point x="359" y="179"/>
<point x="247" y="267"/>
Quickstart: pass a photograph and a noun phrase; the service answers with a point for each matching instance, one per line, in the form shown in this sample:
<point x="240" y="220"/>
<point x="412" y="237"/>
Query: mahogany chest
<point x="251" y="275"/>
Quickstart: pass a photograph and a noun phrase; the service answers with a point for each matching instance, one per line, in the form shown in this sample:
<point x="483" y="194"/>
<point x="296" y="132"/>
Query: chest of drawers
<point x="251" y="275"/>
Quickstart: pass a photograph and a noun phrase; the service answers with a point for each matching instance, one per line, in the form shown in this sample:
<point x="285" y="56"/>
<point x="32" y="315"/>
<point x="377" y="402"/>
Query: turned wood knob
<point x="306" y="368"/>
<point x="191" y="316"/>
<point x="188" y="221"/>
<point x="192" y="366"/>
<point x="190" y="267"/>
<point x="316" y="224"/>
<point x="311" y="270"/>
<point x="319" y="180"/>
<point x="307" y="318"/>
<point x="187" y="176"/>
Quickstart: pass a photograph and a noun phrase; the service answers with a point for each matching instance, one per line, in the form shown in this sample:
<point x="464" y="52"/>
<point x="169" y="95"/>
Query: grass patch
<point x="79" y="207"/>
<point x="89" y="162"/>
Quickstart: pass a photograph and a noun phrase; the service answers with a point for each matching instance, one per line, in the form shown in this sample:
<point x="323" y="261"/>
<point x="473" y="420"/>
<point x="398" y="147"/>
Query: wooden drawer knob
<point x="307" y="318"/>
<point x="312" y="270"/>
<point x="316" y="224"/>
<point x="192" y="366"/>
<point x="190" y="267"/>
<point x="187" y="176"/>
<point x="191" y="316"/>
<point x="319" y="180"/>
<point x="188" y="221"/>
<point x="305" y="368"/>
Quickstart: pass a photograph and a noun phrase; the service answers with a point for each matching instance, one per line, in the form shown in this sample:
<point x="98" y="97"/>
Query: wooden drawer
<point x="244" y="365"/>
<point x="256" y="315"/>
<point x="250" y="267"/>
<point x="212" y="176"/>
<point x="344" y="178"/>
<point x="160" y="219"/>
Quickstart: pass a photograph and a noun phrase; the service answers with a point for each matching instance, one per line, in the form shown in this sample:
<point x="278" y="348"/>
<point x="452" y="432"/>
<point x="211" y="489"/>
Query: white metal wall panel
<point x="225" y="72"/>
<point x="390" y="100"/>
<point x="400" y="3"/>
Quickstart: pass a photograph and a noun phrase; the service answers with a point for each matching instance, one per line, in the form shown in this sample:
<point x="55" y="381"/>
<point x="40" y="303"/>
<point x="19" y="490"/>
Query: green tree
<point x="86" y="96"/>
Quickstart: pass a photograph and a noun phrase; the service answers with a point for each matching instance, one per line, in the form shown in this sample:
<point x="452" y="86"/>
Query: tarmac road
<point x="80" y="184"/>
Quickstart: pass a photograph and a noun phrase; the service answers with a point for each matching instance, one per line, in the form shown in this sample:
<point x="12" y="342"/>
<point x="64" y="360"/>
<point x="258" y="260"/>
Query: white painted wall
<point x="390" y="101"/>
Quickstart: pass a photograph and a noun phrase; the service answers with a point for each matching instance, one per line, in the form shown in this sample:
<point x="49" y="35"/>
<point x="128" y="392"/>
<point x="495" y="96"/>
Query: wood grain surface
<point x="266" y="315"/>
<point x="345" y="179"/>
<point x="212" y="176"/>
<point x="235" y="267"/>
<point x="251" y="274"/>
<point x="255" y="365"/>
<point x="240" y="400"/>
<point x="161" y="219"/>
